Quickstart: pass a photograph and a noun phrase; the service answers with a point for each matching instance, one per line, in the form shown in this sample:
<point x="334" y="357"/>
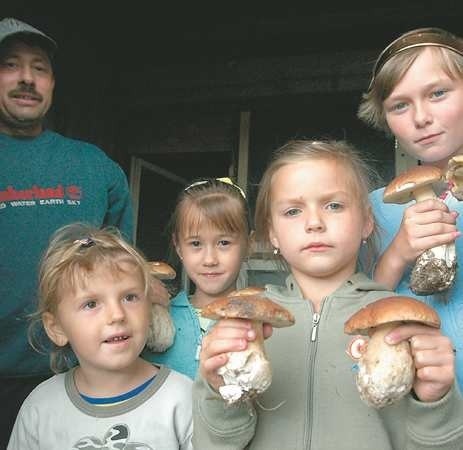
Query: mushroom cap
<point x="401" y="188"/>
<point x="161" y="270"/>
<point x="252" y="307"/>
<point x="250" y="290"/>
<point x="391" y="309"/>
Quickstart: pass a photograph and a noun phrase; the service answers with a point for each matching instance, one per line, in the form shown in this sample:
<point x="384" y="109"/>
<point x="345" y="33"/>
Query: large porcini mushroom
<point x="385" y="372"/>
<point x="454" y="176"/>
<point x="162" y="330"/>
<point x="247" y="373"/>
<point x="434" y="269"/>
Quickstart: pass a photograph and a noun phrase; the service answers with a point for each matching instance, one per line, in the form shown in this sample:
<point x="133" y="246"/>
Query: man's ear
<point x="54" y="330"/>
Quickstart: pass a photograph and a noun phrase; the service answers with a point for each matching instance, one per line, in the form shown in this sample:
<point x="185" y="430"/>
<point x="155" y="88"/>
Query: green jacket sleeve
<point x="436" y="425"/>
<point x="219" y="426"/>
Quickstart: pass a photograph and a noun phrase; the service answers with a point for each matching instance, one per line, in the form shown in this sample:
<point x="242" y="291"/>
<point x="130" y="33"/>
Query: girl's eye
<point x="334" y="206"/>
<point x="438" y="93"/>
<point x="397" y="107"/>
<point x="292" y="212"/>
<point x="131" y="297"/>
<point x="224" y="242"/>
<point x="194" y="243"/>
<point x="90" y="304"/>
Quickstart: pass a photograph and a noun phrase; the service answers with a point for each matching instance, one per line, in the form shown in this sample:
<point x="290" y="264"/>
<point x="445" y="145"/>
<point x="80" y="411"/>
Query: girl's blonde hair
<point x="73" y="254"/>
<point x="371" y="109"/>
<point x="360" y="175"/>
<point x="219" y="204"/>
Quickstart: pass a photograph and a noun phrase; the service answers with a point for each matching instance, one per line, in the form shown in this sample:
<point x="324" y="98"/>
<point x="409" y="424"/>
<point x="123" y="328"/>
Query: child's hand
<point x="227" y="335"/>
<point x="433" y="356"/>
<point x="425" y="225"/>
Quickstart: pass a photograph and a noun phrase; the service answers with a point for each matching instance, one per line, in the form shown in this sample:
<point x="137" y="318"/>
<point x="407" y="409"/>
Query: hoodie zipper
<point x="315" y="321"/>
<point x="313" y="338"/>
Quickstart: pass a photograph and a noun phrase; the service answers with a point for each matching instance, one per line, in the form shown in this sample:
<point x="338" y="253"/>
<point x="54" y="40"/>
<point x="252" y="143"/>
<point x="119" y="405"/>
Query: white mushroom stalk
<point x="435" y="269"/>
<point x="247" y="373"/>
<point x="385" y="372"/>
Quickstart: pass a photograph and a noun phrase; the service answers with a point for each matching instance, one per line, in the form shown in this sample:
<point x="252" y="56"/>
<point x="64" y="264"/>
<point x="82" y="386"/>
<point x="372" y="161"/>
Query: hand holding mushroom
<point x="435" y="268"/>
<point x="417" y="354"/>
<point x="247" y="372"/>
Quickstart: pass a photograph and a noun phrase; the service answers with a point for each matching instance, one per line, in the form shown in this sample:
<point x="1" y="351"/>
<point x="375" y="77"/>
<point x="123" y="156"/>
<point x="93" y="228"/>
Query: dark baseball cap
<point x="10" y="27"/>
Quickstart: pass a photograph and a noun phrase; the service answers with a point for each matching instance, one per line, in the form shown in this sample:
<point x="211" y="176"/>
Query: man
<point x="46" y="181"/>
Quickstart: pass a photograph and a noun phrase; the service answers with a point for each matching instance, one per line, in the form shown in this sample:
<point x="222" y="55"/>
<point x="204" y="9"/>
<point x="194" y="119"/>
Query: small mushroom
<point x="162" y="330"/>
<point x="434" y="269"/>
<point x="385" y="372"/>
<point x="162" y="270"/>
<point x="247" y="373"/>
<point x="454" y="176"/>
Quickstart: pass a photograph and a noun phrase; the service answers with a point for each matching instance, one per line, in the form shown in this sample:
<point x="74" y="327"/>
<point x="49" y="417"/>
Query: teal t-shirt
<point x="46" y="182"/>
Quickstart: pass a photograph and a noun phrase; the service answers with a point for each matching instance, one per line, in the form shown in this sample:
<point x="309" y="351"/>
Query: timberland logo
<point x="38" y="195"/>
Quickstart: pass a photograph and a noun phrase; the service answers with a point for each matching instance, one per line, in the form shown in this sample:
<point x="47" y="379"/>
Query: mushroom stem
<point x="434" y="269"/>
<point x="247" y="373"/>
<point x="424" y="193"/>
<point x="386" y="372"/>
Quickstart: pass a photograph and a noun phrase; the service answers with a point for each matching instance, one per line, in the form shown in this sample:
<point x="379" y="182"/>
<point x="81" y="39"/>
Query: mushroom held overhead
<point x="385" y="372"/>
<point x="162" y="330"/>
<point x="247" y="373"/>
<point x="454" y="176"/>
<point x="435" y="268"/>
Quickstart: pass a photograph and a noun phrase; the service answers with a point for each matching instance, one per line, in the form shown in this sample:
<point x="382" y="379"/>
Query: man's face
<point x="26" y="89"/>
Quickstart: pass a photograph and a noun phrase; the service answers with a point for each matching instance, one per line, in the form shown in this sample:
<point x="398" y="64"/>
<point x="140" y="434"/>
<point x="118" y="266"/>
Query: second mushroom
<point x="435" y="269"/>
<point x="161" y="334"/>
<point x="248" y="372"/>
<point x="385" y="372"/>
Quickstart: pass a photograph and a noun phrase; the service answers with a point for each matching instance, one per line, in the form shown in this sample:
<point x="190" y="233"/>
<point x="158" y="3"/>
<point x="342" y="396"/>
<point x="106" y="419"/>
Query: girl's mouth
<point x="116" y="339"/>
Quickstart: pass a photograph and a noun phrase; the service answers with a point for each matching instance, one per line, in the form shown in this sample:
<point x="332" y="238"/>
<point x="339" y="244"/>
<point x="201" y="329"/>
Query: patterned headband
<point x="224" y="180"/>
<point x="422" y="37"/>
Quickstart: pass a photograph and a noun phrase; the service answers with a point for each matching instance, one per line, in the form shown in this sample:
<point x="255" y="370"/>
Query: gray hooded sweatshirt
<point x="313" y="402"/>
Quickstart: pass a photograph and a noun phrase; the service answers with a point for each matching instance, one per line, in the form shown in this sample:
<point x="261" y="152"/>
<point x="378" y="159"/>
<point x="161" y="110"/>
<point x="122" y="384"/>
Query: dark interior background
<point x="167" y="81"/>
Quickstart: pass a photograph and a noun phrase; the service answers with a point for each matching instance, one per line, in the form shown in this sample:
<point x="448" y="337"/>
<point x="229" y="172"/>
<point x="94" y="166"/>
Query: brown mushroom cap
<point x="250" y="290"/>
<point x="252" y="307"/>
<point x="161" y="270"/>
<point x="391" y="309"/>
<point x="400" y="189"/>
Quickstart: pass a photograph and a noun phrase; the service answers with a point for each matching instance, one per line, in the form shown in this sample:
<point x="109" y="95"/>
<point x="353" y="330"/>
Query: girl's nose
<point x="210" y="257"/>
<point x="314" y="222"/>
<point x="422" y="115"/>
